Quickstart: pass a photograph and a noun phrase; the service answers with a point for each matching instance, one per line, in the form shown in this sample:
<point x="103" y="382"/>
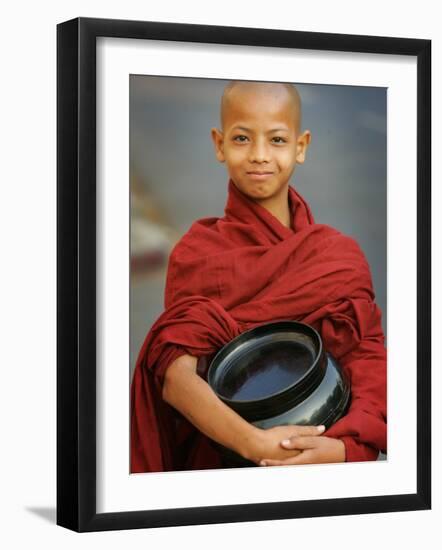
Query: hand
<point x="312" y="450"/>
<point x="267" y="444"/>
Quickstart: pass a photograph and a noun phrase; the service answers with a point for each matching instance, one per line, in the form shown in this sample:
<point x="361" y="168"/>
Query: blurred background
<point x="176" y="179"/>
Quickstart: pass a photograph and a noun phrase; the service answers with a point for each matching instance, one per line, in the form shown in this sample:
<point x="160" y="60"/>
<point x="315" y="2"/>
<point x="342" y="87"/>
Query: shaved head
<point x="276" y="90"/>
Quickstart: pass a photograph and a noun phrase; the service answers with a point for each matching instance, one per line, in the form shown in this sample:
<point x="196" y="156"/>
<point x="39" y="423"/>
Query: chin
<point x="258" y="189"/>
<point x="256" y="194"/>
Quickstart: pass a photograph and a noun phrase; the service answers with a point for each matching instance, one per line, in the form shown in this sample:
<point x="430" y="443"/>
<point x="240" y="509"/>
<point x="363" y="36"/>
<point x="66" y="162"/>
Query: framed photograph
<point x="213" y="182"/>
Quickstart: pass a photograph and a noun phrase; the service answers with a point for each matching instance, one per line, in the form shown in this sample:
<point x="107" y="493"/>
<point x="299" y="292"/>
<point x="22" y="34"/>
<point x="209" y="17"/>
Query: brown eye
<point x="279" y="139"/>
<point x="240" y="138"/>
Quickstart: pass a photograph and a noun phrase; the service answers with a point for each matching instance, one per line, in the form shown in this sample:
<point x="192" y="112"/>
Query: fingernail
<point x="263" y="463"/>
<point x="321" y="429"/>
<point x="285" y="442"/>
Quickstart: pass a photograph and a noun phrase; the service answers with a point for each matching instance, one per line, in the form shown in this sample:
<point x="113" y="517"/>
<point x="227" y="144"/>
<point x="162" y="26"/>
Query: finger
<point x="302" y="443"/>
<point x="308" y="430"/>
<point x="269" y="462"/>
<point x="306" y="457"/>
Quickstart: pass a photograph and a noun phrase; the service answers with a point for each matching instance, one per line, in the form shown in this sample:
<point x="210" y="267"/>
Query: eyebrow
<point x="269" y="132"/>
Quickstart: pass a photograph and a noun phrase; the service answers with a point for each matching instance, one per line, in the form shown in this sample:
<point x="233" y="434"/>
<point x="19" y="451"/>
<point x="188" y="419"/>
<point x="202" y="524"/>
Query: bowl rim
<point x="268" y="328"/>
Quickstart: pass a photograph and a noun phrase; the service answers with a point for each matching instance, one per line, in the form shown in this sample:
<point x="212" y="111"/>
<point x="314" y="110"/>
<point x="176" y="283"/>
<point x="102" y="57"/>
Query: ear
<point x="218" y="141"/>
<point x="302" y="144"/>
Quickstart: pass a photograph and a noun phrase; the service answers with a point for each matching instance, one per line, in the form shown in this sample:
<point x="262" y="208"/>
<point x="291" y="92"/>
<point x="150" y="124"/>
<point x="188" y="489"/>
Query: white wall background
<point x="27" y="277"/>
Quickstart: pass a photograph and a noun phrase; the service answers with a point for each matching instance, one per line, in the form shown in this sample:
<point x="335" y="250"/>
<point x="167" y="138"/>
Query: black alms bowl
<point x="279" y="374"/>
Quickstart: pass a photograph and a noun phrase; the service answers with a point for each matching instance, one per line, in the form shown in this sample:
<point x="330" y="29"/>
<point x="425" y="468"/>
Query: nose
<point x="259" y="152"/>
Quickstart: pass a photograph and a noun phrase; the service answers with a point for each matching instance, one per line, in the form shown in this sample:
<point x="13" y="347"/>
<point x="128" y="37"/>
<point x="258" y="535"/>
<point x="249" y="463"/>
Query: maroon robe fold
<point x="230" y="274"/>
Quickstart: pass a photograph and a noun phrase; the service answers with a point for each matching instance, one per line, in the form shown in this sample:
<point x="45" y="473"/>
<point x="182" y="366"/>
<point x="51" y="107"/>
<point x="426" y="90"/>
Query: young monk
<point x="265" y="260"/>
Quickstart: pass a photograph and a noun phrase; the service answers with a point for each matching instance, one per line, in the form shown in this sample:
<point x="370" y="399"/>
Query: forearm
<point x="188" y="393"/>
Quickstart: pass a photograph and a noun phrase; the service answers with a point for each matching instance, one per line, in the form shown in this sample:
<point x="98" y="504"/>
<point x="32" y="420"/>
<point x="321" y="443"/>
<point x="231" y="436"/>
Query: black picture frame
<point x="76" y="273"/>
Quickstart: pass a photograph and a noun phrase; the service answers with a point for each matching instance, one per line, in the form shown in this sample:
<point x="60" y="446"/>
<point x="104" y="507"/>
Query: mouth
<point x="258" y="176"/>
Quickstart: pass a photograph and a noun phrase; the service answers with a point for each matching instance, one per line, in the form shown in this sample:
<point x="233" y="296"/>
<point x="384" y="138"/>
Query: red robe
<point x="230" y="274"/>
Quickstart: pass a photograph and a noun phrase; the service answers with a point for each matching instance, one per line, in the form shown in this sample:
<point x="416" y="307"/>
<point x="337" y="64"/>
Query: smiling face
<point x="260" y="140"/>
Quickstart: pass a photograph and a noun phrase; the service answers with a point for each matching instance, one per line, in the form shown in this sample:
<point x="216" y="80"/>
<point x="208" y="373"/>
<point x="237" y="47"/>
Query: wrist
<point x="251" y="444"/>
<point x="342" y="451"/>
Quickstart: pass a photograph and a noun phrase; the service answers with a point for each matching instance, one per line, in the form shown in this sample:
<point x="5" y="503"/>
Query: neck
<point x="280" y="208"/>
